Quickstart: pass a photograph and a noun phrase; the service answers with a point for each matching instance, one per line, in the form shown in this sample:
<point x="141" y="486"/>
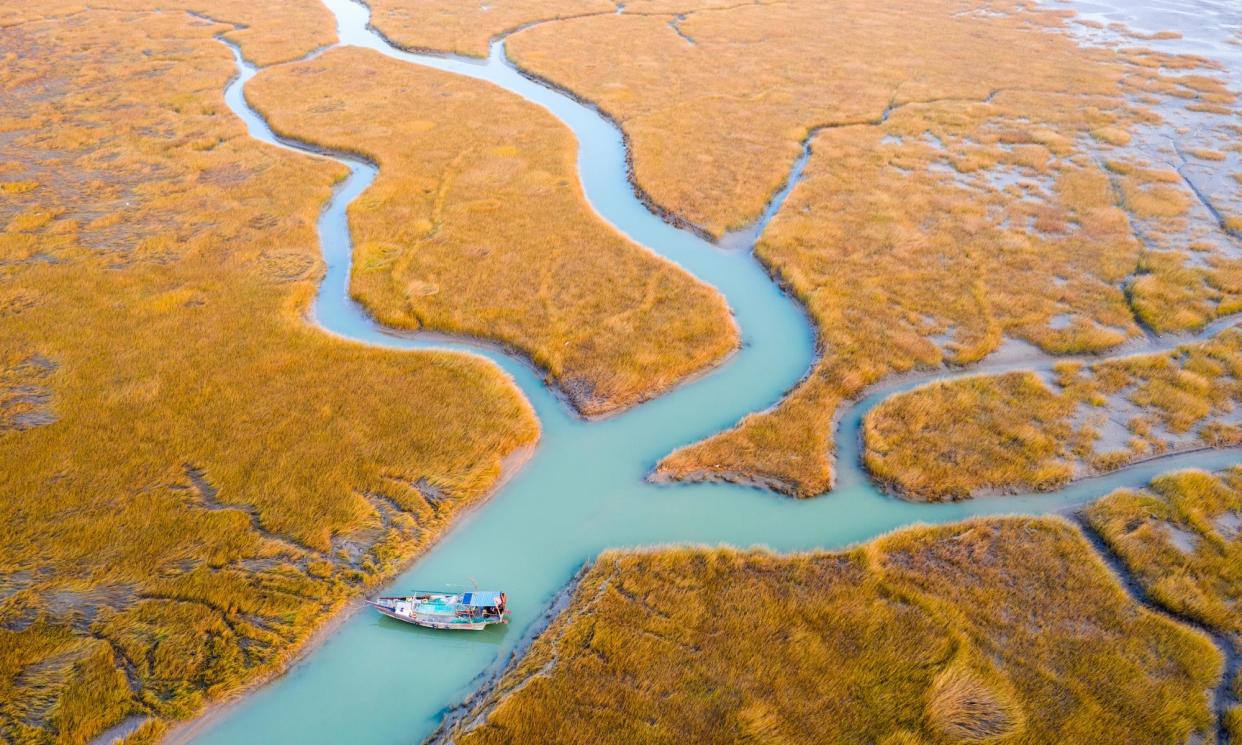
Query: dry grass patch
<point x="477" y="225"/>
<point x="1181" y="539"/>
<point x="964" y="707"/>
<point x="906" y="264"/>
<point x="1005" y="630"/>
<point x="268" y="31"/>
<point x="966" y="437"/>
<point x="467" y="28"/>
<point x="191" y="477"/>
<point x="1026" y="424"/>
<point x="732" y="107"/>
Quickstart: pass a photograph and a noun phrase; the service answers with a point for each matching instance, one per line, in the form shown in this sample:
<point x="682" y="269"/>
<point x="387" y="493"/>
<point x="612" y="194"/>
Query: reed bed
<point x="477" y="225"/>
<point x="1000" y="630"/>
<point x="192" y="478"/>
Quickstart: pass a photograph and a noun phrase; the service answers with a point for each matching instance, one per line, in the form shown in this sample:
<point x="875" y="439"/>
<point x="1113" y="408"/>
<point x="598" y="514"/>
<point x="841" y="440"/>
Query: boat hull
<point x="434" y="622"/>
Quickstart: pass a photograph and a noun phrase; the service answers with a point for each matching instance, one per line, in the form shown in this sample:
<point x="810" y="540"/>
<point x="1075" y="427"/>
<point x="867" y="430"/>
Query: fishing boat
<point x="465" y="611"/>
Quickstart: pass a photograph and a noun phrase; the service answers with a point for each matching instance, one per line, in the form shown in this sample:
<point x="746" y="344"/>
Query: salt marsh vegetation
<point x="975" y="435"/>
<point x="159" y="382"/>
<point x="1055" y="210"/>
<point x="1020" y="185"/>
<point x="450" y="26"/>
<point x="467" y="28"/>
<point x="1181" y="539"/>
<point x="734" y="107"/>
<point x="192" y="478"/>
<point x="477" y="225"/>
<point x="999" y="630"/>
<point x="270" y="31"/>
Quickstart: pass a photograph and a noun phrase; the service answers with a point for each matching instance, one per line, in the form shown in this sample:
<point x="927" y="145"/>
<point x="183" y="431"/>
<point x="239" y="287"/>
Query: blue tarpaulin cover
<point x="485" y="599"/>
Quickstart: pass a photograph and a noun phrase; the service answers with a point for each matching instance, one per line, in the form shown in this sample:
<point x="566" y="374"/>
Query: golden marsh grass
<point x="732" y="107"/>
<point x="467" y="28"/>
<point x="1026" y="427"/>
<point x="191" y="477"/>
<point x="477" y="225"/>
<point x="1002" y="630"/>
<point x="955" y="213"/>
<point x="1181" y="539"/>
<point x="268" y="31"/>
<point x="956" y="439"/>
<point x="963" y="185"/>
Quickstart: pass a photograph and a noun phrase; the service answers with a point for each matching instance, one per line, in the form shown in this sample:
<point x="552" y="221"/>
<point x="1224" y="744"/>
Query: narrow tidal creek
<point x="379" y="681"/>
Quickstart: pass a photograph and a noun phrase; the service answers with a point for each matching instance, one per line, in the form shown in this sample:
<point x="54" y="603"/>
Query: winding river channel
<point x="378" y="681"/>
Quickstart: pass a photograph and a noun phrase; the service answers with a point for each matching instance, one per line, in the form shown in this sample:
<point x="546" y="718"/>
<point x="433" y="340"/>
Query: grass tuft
<point x="964" y="708"/>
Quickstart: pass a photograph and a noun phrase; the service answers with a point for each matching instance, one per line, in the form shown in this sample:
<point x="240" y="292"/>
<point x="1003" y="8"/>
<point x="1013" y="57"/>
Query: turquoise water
<point x="380" y="681"/>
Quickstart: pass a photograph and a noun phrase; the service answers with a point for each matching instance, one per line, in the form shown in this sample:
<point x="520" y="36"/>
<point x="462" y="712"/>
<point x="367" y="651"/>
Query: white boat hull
<point x="432" y="623"/>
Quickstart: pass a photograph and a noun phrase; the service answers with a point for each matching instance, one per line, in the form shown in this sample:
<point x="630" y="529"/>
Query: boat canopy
<point x="485" y="599"/>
